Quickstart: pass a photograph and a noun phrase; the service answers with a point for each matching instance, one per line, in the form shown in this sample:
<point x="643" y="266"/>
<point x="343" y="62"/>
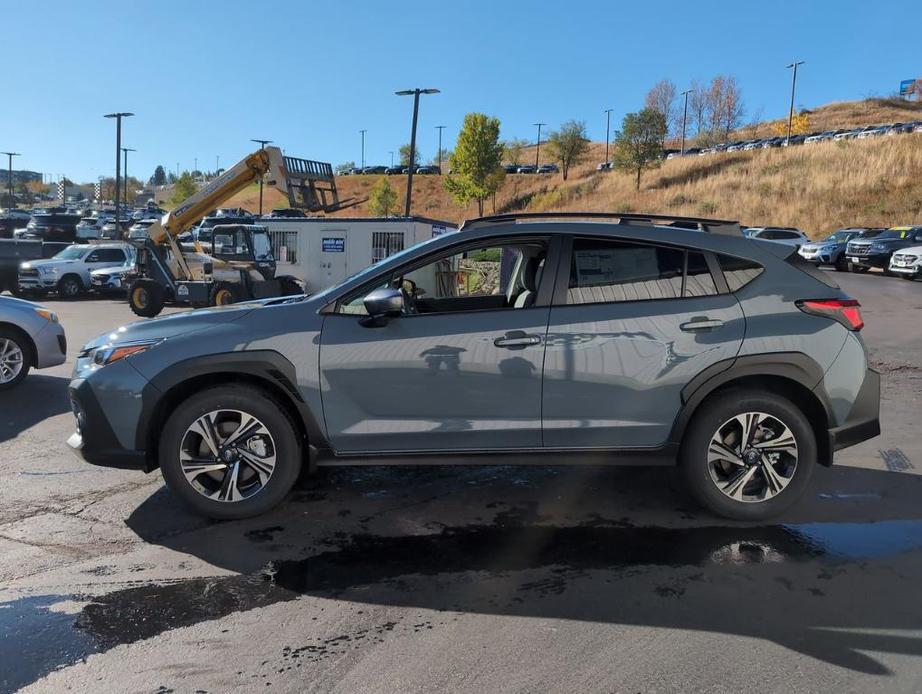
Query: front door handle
<point x="701" y="323"/>
<point x="517" y="339"/>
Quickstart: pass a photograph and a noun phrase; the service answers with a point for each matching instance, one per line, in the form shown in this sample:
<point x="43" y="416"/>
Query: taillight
<point x="846" y="311"/>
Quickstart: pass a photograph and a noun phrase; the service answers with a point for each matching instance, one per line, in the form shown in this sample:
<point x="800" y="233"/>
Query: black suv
<point x="863" y="254"/>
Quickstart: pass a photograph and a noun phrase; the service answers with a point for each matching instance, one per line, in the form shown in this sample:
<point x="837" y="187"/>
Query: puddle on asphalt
<point x="34" y="640"/>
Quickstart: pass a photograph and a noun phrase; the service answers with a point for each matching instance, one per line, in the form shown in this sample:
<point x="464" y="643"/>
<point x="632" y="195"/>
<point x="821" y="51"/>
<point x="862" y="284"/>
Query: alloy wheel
<point x="752" y="457"/>
<point x="11" y="360"/>
<point x="227" y="455"/>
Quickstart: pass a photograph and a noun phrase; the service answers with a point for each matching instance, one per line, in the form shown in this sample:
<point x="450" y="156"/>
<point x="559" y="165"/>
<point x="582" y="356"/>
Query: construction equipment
<point x="242" y="267"/>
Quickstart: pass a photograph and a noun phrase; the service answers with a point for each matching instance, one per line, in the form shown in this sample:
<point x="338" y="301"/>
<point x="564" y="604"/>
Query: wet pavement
<point x="467" y="578"/>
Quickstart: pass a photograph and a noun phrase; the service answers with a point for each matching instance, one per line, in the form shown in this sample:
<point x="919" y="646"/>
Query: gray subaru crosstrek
<point x="602" y="339"/>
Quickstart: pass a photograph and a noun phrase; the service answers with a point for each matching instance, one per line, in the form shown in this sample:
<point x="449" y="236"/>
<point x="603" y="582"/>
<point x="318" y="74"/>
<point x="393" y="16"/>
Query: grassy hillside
<point x="818" y="188"/>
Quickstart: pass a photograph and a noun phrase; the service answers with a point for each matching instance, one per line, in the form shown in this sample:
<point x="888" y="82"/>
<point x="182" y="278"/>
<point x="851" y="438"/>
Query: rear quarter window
<point x="738" y="272"/>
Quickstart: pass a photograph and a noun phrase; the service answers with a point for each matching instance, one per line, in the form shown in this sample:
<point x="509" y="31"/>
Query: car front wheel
<point x="748" y="455"/>
<point x="230" y="452"/>
<point x="15" y="358"/>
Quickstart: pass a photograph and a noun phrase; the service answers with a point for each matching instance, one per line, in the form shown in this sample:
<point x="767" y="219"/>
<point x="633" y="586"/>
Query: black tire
<point x="841" y="264"/>
<point x="908" y="277"/>
<point x="710" y="418"/>
<point x="225" y="293"/>
<point x="11" y="336"/>
<point x="145" y="297"/>
<point x="70" y="287"/>
<point x="857" y="268"/>
<point x="256" y="403"/>
<point x="290" y="286"/>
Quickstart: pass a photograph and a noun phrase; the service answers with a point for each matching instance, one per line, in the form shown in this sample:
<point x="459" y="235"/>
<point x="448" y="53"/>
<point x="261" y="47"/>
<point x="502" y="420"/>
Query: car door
<point x="631" y="324"/>
<point x="462" y="374"/>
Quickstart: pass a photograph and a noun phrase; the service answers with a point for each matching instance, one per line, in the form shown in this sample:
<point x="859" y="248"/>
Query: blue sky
<point x="205" y="77"/>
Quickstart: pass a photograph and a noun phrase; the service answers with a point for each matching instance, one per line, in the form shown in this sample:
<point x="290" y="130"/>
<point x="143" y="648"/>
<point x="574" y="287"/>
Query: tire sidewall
<point x="712" y="416"/>
<point x="257" y="403"/>
<point x="72" y="281"/>
<point x="27" y="357"/>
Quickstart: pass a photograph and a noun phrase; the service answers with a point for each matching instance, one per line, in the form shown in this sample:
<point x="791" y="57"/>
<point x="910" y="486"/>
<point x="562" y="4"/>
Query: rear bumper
<point x="863" y="421"/>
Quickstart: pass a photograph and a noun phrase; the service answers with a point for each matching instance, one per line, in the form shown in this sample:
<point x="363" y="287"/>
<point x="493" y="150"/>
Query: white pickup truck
<point x="68" y="273"/>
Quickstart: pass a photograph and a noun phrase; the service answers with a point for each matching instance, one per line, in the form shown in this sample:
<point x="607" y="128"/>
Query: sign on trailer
<point x="333" y="245"/>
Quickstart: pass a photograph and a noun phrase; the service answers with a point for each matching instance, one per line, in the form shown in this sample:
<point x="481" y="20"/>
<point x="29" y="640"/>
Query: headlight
<point x="49" y="316"/>
<point x="107" y="354"/>
<point x="45" y="270"/>
<point x="878" y="247"/>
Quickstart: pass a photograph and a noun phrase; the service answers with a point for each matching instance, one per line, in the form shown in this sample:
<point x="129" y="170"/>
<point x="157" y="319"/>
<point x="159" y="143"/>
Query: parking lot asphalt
<point x="464" y="578"/>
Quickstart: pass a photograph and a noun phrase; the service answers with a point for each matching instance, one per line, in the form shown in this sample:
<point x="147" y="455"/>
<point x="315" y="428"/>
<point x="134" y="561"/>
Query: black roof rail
<point x="712" y="226"/>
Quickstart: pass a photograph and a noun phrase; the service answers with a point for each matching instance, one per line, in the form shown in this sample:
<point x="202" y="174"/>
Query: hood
<point x="178" y="324"/>
<point x="11" y="302"/>
<point x="47" y="262"/>
<point x="912" y="250"/>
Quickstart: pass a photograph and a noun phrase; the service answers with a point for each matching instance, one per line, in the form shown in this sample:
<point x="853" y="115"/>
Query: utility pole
<point x="126" y="150"/>
<point x="392" y="158"/>
<point x="607" y="113"/>
<point x="684" y="118"/>
<point x="363" y="149"/>
<point x="794" y="65"/>
<point x="415" y="94"/>
<point x="11" y="203"/>
<point x="118" y="164"/>
<point x="440" y="128"/>
<point x="217" y="164"/>
<point x="538" y="148"/>
<point x="262" y="145"/>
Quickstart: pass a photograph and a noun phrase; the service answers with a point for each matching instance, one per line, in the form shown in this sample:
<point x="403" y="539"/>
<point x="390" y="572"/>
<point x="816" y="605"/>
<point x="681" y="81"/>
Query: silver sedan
<point x="30" y="337"/>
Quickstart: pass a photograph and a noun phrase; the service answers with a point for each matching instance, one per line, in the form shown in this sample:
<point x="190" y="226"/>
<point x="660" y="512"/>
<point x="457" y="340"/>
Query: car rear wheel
<point x="748" y="455"/>
<point x="230" y="452"/>
<point x="15" y="358"/>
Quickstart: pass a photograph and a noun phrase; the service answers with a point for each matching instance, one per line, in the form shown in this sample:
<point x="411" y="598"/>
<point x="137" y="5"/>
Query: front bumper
<point x="905" y="269"/>
<point x="863" y="421"/>
<point x="107" y="438"/>
<point x="37" y="282"/>
<point x="881" y="260"/>
<point x="50" y="346"/>
<point x="818" y="256"/>
<point x="111" y="283"/>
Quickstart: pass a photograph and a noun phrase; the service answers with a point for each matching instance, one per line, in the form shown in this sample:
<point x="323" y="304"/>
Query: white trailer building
<point x="321" y="251"/>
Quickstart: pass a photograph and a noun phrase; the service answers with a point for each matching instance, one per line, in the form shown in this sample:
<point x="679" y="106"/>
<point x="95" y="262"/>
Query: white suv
<point x="68" y="272"/>
<point x="907" y="263"/>
<point x="787" y="235"/>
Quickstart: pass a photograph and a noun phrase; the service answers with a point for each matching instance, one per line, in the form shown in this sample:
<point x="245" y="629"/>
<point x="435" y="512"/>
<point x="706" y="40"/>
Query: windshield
<point x="71" y="253"/>
<point x="386" y="264"/>
<point x="895" y="233"/>
<point x="262" y="249"/>
<point x="839" y="237"/>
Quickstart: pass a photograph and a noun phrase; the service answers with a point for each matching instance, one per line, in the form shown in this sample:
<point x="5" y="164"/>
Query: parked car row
<point x="782" y="141"/>
<point x="530" y="169"/>
<point x="390" y="170"/>
<point x="897" y="250"/>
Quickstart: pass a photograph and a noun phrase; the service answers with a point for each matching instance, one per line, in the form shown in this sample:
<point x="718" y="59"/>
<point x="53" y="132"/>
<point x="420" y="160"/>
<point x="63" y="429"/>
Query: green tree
<point x="405" y="156"/>
<point x="344" y="167"/>
<point x="639" y="144"/>
<point x="569" y="145"/>
<point x="513" y="149"/>
<point x="183" y="188"/>
<point x="382" y="200"/>
<point x="476" y="165"/>
<point x="159" y="177"/>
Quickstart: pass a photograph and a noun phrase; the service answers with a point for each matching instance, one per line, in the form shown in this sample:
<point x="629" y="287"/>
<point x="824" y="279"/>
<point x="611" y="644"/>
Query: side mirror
<point x="382" y="304"/>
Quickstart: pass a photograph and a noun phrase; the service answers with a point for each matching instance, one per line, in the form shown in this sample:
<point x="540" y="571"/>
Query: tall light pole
<point x="11" y="203"/>
<point x="538" y="148"/>
<point x="392" y="157"/>
<point x="118" y="165"/>
<point x="363" y="148"/>
<point x="126" y="150"/>
<point x="440" y="128"/>
<point x="415" y="94"/>
<point x="262" y="145"/>
<point x="684" y="117"/>
<point x="607" y="113"/>
<point x="217" y="164"/>
<point x="793" y="65"/>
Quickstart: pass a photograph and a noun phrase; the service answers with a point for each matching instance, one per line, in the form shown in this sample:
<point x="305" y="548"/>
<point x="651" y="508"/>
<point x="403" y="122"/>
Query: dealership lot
<point x="473" y="578"/>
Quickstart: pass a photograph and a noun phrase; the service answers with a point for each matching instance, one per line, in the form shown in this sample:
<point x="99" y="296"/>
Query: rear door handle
<point x="701" y="323"/>
<point x="517" y="339"/>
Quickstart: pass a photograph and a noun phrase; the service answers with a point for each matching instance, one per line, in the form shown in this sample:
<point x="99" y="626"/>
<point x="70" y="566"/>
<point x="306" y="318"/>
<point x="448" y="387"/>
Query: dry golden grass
<point x="818" y="188"/>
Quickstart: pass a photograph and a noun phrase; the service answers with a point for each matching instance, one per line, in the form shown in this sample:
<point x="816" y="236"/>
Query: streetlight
<point x="440" y="128"/>
<point x="262" y="145"/>
<point x="126" y="150"/>
<point x="794" y="65"/>
<point x="392" y="158"/>
<point x="118" y="164"/>
<point x="607" y="113"/>
<point x="415" y="94"/>
<point x="363" y="149"/>
<point x="11" y="203"/>
<point x="685" y="117"/>
<point x="538" y="148"/>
